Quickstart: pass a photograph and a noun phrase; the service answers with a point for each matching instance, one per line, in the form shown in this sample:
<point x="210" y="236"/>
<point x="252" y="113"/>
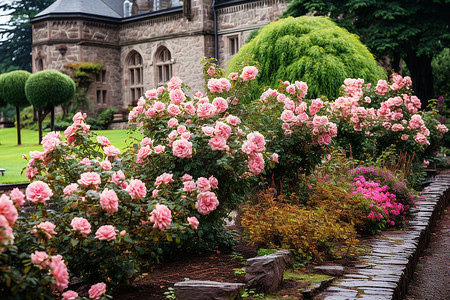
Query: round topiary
<point x="12" y="87"/>
<point x="49" y="88"/>
<point x="311" y="49"/>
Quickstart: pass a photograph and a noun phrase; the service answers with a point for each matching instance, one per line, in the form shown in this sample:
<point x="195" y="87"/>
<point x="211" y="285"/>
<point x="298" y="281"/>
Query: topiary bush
<point x="12" y="90"/>
<point x="311" y="49"/>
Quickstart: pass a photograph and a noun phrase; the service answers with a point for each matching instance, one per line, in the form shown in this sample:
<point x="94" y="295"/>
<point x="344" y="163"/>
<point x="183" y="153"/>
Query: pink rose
<point x="89" y="178"/>
<point x="275" y="157"/>
<point x="69" y="295"/>
<point x="111" y="151"/>
<point x="159" y="106"/>
<point x="172" y="123"/>
<point x="122" y="233"/>
<point x="181" y="129"/>
<point x="189" y="107"/>
<point x="405" y="137"/>
<point x="177" y="96"/>
<point x="17" y="197"/>
<point x="206" y="202"/>
<point x="249" y="73"/>
<point x="150" y="112"/>
<point x="38" y="192"/>
<point x="222" y="130"/>
<point x="182" y="148"/>
<point x="136" y="189"/>
<point x="106" y="233"/>
<point x="47" y="227"/>
<point x="155" y="193"/>
<point x="109" y="201"/>
<point x="118" y="177"/>
<point x="290" y="89"/>
<point x="211" y="71"/>
<point x="37" y="155"/>
<point x="97" y="290"/>
<point x="103" y="140"/>
<point x="173" y="109"/>
<point x="215" y="86"/>
<point x="193" y="222"/>
<point x="78" y="118"/>
<point x="233" y="76"/>
<point x="189" y="186"/>
<point x="421" y="139"/>
<point x="70" y="189"/>
<point x="151" y="94"/>
<point x="164" y="178"/>
<point x="39" y="258"/>
<point x="81" y="225"/>
<point x="217" y="143"/>
<point x="288" y="116"/>
<point x="203" y="184"/>
<point x="221" y="104"/>
<point x="159" y="149"/>
<point x="85" y="161"/>
<point x="146" y="142"/>
<point x="206" y="110"/>
<point x="233" y="120"/>
<point x="208" y="130"/>
<point x="51" y="141"/>
<point x="256" y="163"/>
<point x="214" y="182"/>
<point x="187" y="177"/>
<point x="6" y="232"/>
<point x="59" y="271"/>
<point x="143" y="153"/>
<point x="106" y="165"/>
<point x="174" y="83"/>
<point x="161" y="216"/>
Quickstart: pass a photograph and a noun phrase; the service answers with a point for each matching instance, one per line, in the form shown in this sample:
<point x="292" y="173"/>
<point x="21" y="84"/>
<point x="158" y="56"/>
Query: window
<point x="135" y="73"/>
<point x="40" y="65"/>
<point x="100" y="78"/>
<point x="163" y="65"/>
<point x="101" y="96"/>
<point x="233" y="44"/>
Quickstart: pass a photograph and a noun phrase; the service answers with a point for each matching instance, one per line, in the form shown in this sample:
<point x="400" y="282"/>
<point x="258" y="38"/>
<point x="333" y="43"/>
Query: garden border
<point x="385" y="272"/>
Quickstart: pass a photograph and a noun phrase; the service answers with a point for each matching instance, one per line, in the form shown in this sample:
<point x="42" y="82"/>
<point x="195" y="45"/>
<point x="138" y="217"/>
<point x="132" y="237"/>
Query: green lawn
<point x="11" y="154"/>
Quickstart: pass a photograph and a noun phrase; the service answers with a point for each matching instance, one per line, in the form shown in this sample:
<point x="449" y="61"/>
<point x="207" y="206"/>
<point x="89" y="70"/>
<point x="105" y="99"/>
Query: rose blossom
<point x="249" y="73"/>
<point x="116" y="179"/>
<point x="103" y="140"/>
<point x="136" y="189"/>
<point x="47" y="227"/>
<point x="211" y="71"/>
<point x="59" y="271"/>
<point x="159" y="106"/>
<point x="159" y="149"/>
<point x="106" y="233"/>
<point x="233" y="120"/>
<point x="164" y="178"/>
<point x="182" y="148"/>
<point x="151" y="94"/>
<point x="39" y="258"/>
<point x="203" y="184"/>
<point x="177" y="96"/>
<point x="173" y="109"/>
<point x="69" y="295"/>
<point x="109" y="201"/>
<point x="85" y="161"/>
<point x="81" y="225"/>
<point x="206" y="110"/>
<point x="6" y="232"/>
<point x="89" y="178"/>
<point x="97" y="290"/>
<point x="38" y="192"/>
<point x="161" y="216"/>
<point x="37" y="155"/>
<point x="221" y="104"/>
<point x="189" y="186"/>
<point x="172" y="122"/>
<point x="51" y="141"/>
<point x="70" y="189"/>
<point x="143" y="153"/>
<point x="256" y="163"/>
<point x="17" y="197"/>
<point x="111" y="151"/>
<point x="155" y="193"/>
<point x="193" y="222"/>
<point x="146" y="142"/>
<point x="208" y="130"/>
<point x="213" y="181"/>
<point x="222" y="130"/>
<point x="275" y="157"/>
<point x="217" y="143"/>
<point x="206" y="202"/>
<point x="106" y="165"/>
<point x="186" y="177"/>
<point x="174" y="83"/>
<point x="233" y="76"/>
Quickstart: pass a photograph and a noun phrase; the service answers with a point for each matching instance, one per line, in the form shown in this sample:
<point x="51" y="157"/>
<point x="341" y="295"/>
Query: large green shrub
<point x="12" y="90"/>
<point x="311" y="49"/>
<point x="49" y="88"/>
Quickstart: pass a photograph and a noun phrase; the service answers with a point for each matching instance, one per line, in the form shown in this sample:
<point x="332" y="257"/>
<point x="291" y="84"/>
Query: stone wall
<point x="240" y="20"/>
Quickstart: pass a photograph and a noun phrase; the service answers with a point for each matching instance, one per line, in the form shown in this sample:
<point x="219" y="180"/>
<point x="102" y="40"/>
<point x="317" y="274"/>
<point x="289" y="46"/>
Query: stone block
<point x="265" y="273"/>
<point x="330" y="270"/>
<point x="207" y="290"/>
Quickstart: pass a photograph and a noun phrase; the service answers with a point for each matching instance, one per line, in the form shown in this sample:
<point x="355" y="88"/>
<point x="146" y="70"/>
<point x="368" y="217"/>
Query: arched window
<point x="135" y="73"/>
<point x="40" y="65"/>
<point x="163" y="66"/>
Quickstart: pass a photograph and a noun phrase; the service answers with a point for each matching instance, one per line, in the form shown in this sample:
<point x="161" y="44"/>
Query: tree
<point x="12" y="90"/>
<point x="415" y="31"/>
<point x="16" y="35"/>
<point x="47" y="89"/>
<point x="311" y="49"/>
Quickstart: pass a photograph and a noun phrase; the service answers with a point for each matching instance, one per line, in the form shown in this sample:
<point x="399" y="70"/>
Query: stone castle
<point x="143" y="43"/>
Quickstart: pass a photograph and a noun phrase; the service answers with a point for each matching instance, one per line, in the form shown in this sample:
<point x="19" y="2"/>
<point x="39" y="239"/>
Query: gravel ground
<point x="431" y="280"/>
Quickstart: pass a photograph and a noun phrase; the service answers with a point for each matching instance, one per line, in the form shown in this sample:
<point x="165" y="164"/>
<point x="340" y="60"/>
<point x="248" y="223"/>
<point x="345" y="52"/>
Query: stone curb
<point x="384" y="273"/>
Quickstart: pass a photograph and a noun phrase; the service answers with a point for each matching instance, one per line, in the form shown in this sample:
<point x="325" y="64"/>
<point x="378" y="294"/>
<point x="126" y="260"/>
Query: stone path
<point x="385" y="271"/>
<point x="431" y="281"/>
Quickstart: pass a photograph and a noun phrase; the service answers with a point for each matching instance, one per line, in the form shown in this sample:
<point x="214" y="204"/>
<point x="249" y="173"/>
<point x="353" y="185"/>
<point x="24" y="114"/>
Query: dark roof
<point x="221" y="3"/>
<point x="104" y="8"/>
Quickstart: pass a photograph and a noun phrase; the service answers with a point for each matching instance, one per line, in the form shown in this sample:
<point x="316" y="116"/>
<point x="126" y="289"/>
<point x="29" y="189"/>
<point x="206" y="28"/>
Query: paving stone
<point x="364" y="283"/>
<point x="378" y="291"/>
<point x="207" y="290"/>
<point x="358" y="276"/>
<point x="339" y="295"/>
<point x="331" y="270"/>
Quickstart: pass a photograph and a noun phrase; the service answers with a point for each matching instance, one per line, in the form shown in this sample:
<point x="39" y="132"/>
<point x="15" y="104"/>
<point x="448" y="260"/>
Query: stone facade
<point x="168" y="42"/>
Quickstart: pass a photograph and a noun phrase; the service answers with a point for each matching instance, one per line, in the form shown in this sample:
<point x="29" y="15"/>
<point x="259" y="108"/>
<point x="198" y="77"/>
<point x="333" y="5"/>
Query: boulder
<point x="207" y="290"/>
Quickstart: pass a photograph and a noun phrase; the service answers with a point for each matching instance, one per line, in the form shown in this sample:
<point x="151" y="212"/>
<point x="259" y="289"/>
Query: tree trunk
<point x="396" y="64"/>
<point x="40" y="119"/>
<point x="52" y="122"/>
<point x="19" y="139"/>
<point x="422" y="76"/>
